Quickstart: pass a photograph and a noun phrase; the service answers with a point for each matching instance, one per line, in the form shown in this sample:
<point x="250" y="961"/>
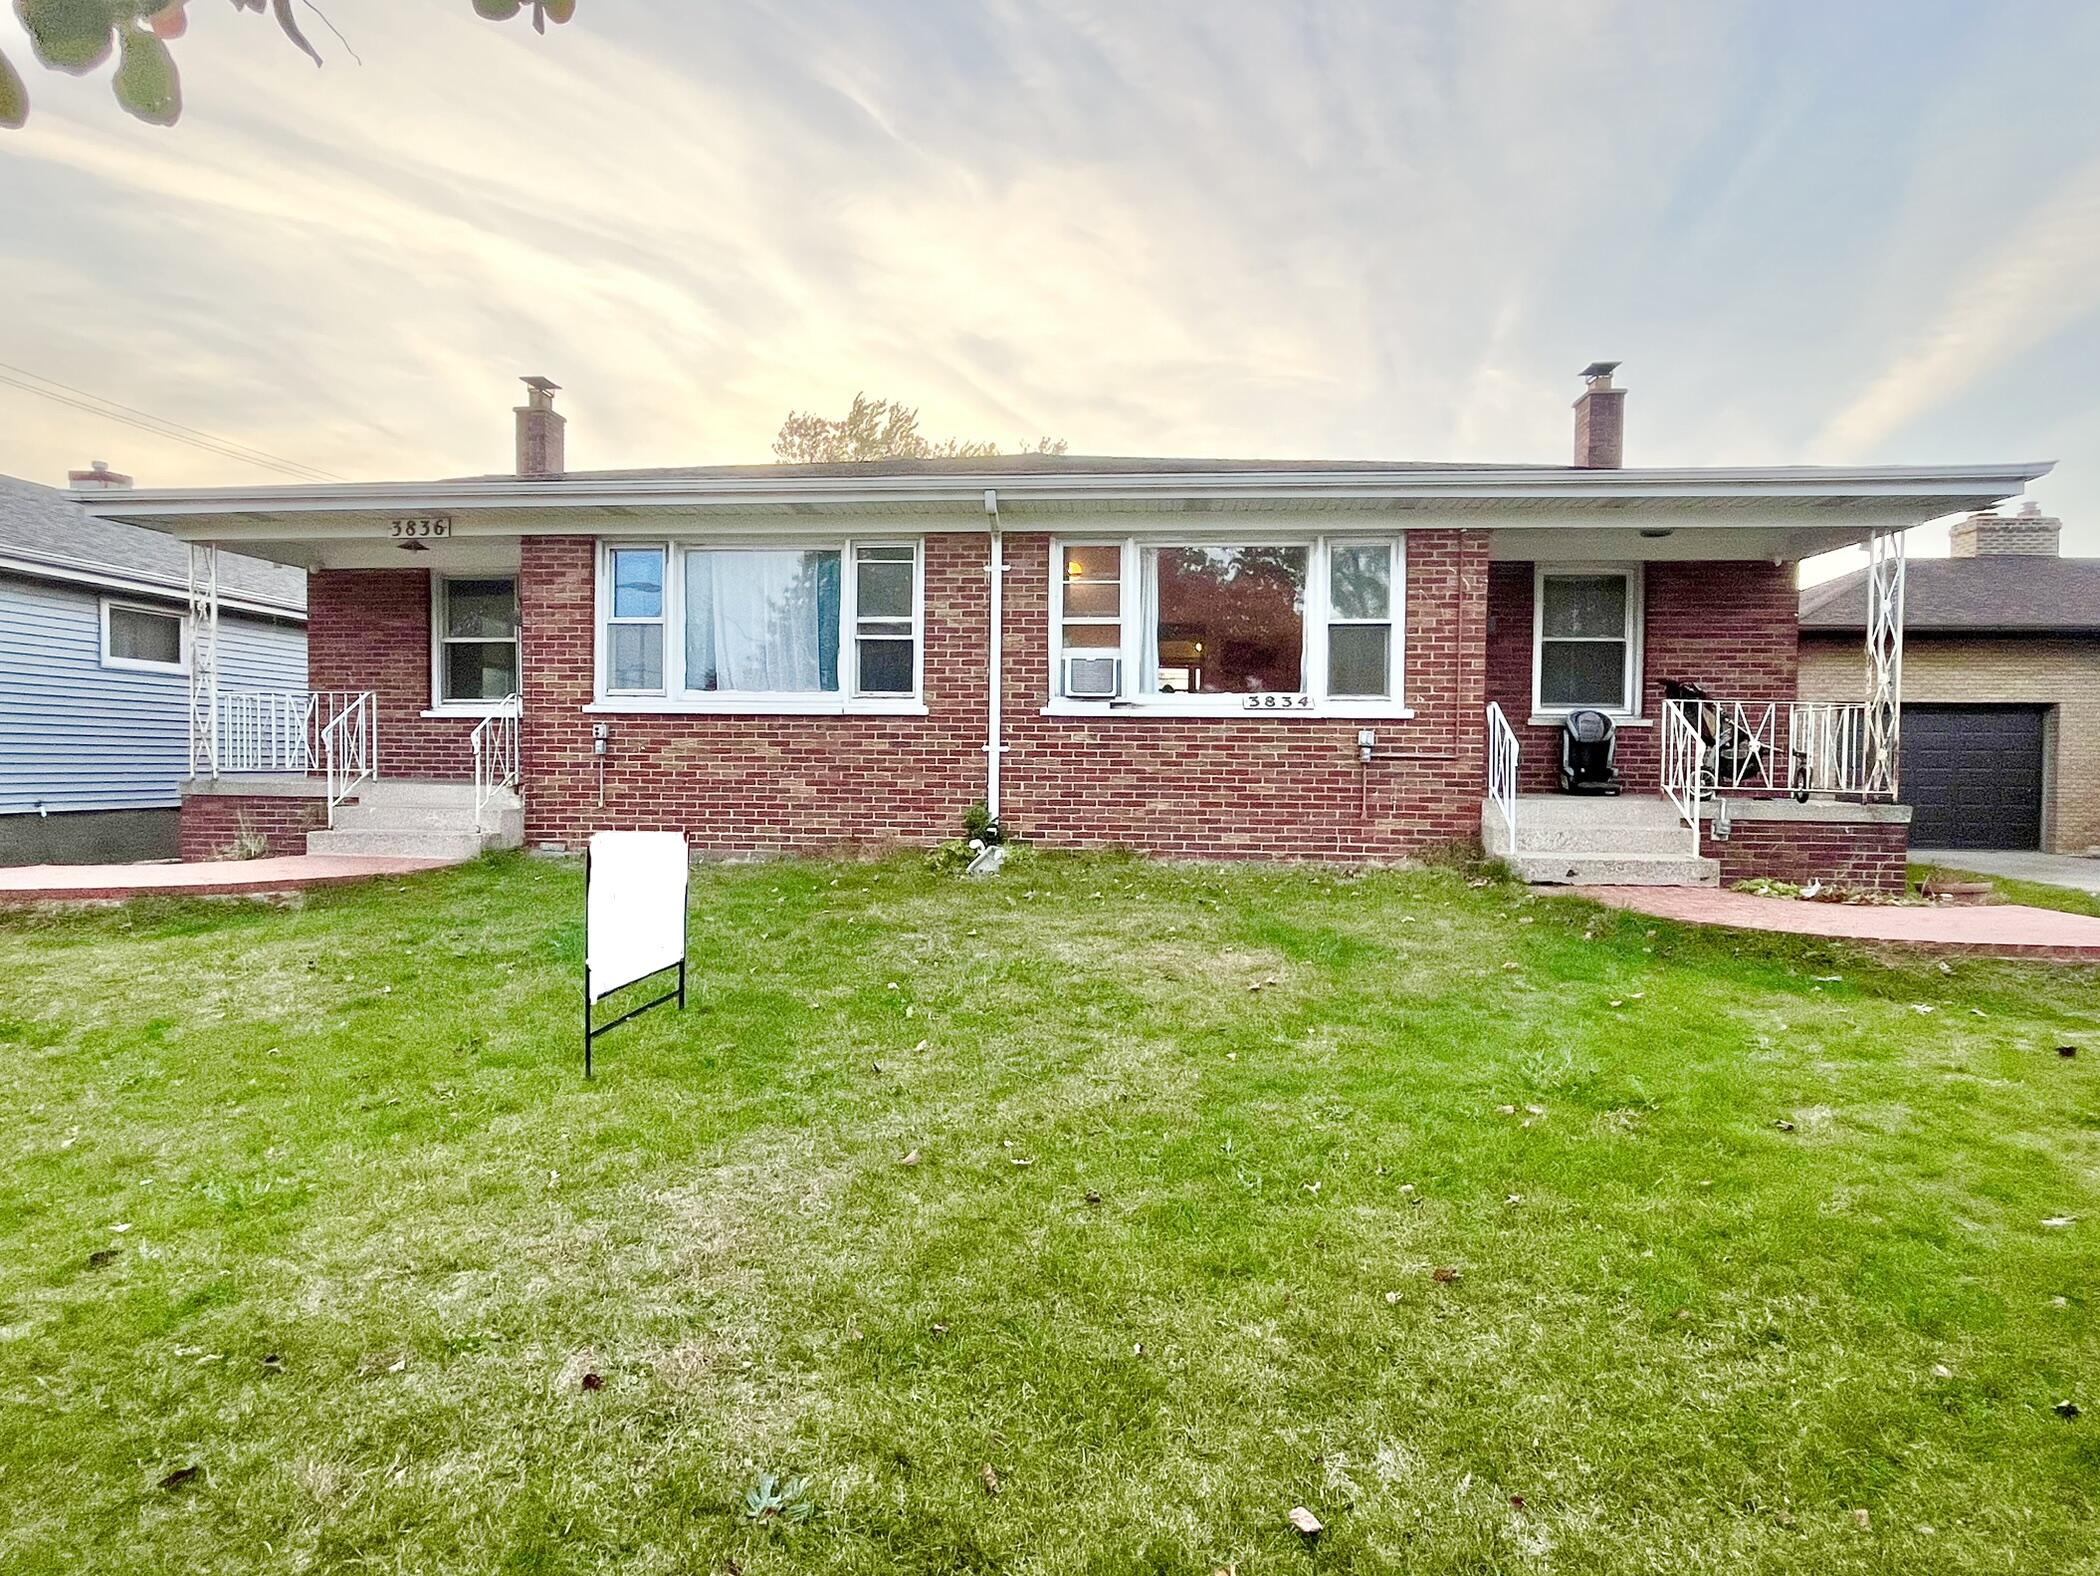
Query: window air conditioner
<point x="1093" y="678"/>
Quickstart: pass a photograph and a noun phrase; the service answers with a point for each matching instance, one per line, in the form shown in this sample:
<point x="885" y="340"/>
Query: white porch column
<point x="1885" y="564"/>
<point x="204" y="659"/>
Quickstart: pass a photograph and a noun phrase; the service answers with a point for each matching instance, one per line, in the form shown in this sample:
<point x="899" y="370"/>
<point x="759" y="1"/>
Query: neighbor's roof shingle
<point x="2011" y="595"/>
<point x="43" y="525"/>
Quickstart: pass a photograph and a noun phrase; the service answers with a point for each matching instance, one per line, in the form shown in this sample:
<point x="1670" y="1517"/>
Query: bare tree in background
<point x="880" y="429"/>
<point x="77" y="36"/>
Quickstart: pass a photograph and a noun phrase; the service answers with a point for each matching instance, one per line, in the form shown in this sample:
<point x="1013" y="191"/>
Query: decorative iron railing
<point x="272" y="730"/>
<point x="1768" y="747"/>
<point x="1502" y="770"/>
<point x="495" y="755"/>
<point x="350" y="749"/>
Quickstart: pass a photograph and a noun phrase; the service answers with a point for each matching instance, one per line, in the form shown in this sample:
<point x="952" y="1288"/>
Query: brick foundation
<point x="212" y="823"/>
<point x="1865" y="855"/>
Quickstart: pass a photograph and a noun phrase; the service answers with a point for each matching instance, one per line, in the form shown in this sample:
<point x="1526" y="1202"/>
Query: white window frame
<point x="675" y="698"/>
<point x="1636" y="624"/>
<point x="439" y="705"/>
<point x="157" y="610"/>
<point x="1140" y="622"/>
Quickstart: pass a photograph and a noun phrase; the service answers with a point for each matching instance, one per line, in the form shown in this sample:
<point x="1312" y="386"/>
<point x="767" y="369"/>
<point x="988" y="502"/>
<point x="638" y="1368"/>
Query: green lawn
<point x="313" y="1200"/>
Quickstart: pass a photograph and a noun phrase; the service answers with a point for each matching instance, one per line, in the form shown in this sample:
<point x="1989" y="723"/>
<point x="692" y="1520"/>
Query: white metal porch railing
<point x="1765" y="748"/>
<point x="1798" y="747"/>
<point x="1502" y="770"/>
<point x="350" y="749"/>
<point x="271" y="730"/>
<point x="495" y="755"/>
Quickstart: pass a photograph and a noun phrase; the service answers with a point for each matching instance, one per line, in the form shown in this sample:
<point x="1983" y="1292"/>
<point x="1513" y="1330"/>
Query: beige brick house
<point x="2001" y="685"/>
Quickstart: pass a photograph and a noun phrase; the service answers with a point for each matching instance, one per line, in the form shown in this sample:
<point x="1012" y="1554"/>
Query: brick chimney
<point x="1600" y="420"/>
<point x="97" y="475"/>
<point x="2027" y="534"/>
<point x="540" y="431"/>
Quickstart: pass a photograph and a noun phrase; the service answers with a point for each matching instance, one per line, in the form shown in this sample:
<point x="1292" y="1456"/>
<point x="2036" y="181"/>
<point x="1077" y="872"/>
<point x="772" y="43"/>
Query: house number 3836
<point x="420" y="525"/>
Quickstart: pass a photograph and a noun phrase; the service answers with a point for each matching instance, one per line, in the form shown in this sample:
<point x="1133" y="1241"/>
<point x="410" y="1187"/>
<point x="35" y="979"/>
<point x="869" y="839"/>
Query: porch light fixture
<point x="414" y="547"/>
<point x="1656" y="534"/>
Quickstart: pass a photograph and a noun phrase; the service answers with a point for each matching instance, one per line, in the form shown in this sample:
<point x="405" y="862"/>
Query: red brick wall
<point x="1730" y="626"/>
<point x="210" y="823"/>
<point x="370" y="629"/>
<point x="1229" y="786"/>
<point x="1868" y="855"/>
<point x="1258" y="787"/>
<point x="743" y="783"/>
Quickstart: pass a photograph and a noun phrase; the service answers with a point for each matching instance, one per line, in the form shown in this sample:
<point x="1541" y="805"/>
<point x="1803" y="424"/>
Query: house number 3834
<point x="1275" y="701"/>
<point x="420" y="525"/>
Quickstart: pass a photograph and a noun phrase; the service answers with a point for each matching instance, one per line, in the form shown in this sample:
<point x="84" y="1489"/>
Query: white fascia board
<point x="106" y="578"/>
<point x="1953" y="485"/>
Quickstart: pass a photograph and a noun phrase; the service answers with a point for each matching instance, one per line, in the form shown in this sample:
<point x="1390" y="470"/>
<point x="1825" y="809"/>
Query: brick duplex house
<point x="1193" y="658"/>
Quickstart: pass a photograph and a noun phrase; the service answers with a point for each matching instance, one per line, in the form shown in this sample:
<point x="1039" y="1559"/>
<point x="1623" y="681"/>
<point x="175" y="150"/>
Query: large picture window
<point x="1309" y="625"/>
<point x="1587" y="635"/>
<point x="476" y="626"/>
<point x="802" y="628"/>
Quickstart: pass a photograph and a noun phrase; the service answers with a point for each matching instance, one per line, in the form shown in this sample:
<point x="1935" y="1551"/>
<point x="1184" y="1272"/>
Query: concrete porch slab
<point x="197" y="878"/>
<point x="2006" y="930"/>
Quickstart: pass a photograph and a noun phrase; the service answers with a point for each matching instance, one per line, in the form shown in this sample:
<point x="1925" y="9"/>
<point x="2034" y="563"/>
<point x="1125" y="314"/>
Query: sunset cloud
<point x="1350" y="229"/>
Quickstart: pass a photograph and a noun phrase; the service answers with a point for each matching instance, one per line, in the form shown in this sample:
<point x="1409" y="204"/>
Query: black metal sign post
<point x="592" y="1031"/>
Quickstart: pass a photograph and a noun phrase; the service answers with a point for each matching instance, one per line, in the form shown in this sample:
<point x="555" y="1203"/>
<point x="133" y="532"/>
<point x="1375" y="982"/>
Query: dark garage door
<point x="1973" y="776"/>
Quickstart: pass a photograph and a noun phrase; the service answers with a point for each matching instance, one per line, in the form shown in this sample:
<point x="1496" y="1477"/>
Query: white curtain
<point x="762" y="621"/>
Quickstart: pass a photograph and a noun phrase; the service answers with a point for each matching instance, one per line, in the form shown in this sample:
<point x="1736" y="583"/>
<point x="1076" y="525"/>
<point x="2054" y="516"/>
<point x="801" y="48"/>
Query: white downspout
<point x="996" y="675"/>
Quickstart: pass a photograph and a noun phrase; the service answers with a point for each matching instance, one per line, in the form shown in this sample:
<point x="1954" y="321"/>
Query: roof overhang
<point x="1811" y="509"/>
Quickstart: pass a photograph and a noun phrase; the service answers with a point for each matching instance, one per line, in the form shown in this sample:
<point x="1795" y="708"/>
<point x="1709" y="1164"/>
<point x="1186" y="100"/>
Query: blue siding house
<point x="94" y="662"/>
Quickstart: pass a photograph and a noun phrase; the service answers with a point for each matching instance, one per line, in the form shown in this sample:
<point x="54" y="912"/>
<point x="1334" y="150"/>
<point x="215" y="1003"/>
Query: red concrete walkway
<point x="1999" y="930"/>
<point x="205" y="878"/>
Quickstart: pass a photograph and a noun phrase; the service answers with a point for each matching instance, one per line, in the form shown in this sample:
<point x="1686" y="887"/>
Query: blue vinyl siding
<point x="75" y="735"/>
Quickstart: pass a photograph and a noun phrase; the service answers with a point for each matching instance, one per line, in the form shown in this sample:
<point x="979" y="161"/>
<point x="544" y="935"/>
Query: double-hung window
<point x="1586" y="645"/>
<point x="1303" y="624"/>
<point x="475" y="622"/>
<point x="708" y="627"/>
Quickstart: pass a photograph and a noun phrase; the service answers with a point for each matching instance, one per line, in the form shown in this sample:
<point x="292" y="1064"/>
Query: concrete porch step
<point x="425" y="793"/>
<point x="393" y="844"/>
<point x="363" y="816"/>
<point x="1587" y="869"/>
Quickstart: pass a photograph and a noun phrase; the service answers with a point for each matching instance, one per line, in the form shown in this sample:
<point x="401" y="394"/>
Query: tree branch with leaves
<point x="79" y="36"/>
<point x="880" y="429"/>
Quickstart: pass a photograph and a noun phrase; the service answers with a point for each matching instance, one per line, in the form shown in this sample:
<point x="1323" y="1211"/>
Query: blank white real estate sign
<point x="634" y="908"/>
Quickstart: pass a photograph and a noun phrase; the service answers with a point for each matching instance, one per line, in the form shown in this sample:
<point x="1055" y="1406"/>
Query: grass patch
<point x="2035" y="894"/>
<point x="317" y="1253"/>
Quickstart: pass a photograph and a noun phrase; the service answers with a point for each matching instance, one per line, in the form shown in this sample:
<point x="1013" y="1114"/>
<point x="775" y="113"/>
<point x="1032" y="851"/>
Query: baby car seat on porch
<point x="1588" y="748"/>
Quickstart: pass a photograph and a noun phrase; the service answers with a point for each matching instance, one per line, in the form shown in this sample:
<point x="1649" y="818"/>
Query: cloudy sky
<point x="1866" y="232"/>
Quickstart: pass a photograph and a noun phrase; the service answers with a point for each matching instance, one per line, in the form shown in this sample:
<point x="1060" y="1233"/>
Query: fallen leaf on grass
<point x="1942" y="1371"/>
<point x="2065" y="1410"/>
<point x="1784" y="1125"/>
<point x="1392" y="1298"/>
<point x="382" y="1363"/>
<point x="1862" y="1520"/>
<point x="593" y="1381"/>
<point x="2061" y="1220"/>
<point x="1303" y="1521"/>
<point x="1092" y="1197"/>
<point x="273" y="1364"/>
<point x="1020" y="1160"/>
<point x="100" y="1257"/>
<point x="1505" y="1110"/>
<point x="991" y="1480"/>
<point x="911" y="1159"/>
<point x="1446" y="1274"/>
<point x="2067" y="1050"/>
<point x="178" y="1477"/>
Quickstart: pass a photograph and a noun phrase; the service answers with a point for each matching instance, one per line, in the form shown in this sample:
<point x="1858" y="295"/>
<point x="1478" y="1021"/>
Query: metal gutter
<point x="966" y="489"/>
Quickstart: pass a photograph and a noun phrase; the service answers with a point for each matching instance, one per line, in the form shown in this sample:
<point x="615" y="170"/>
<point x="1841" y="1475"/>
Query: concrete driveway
<point x="2064" y="870"/>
